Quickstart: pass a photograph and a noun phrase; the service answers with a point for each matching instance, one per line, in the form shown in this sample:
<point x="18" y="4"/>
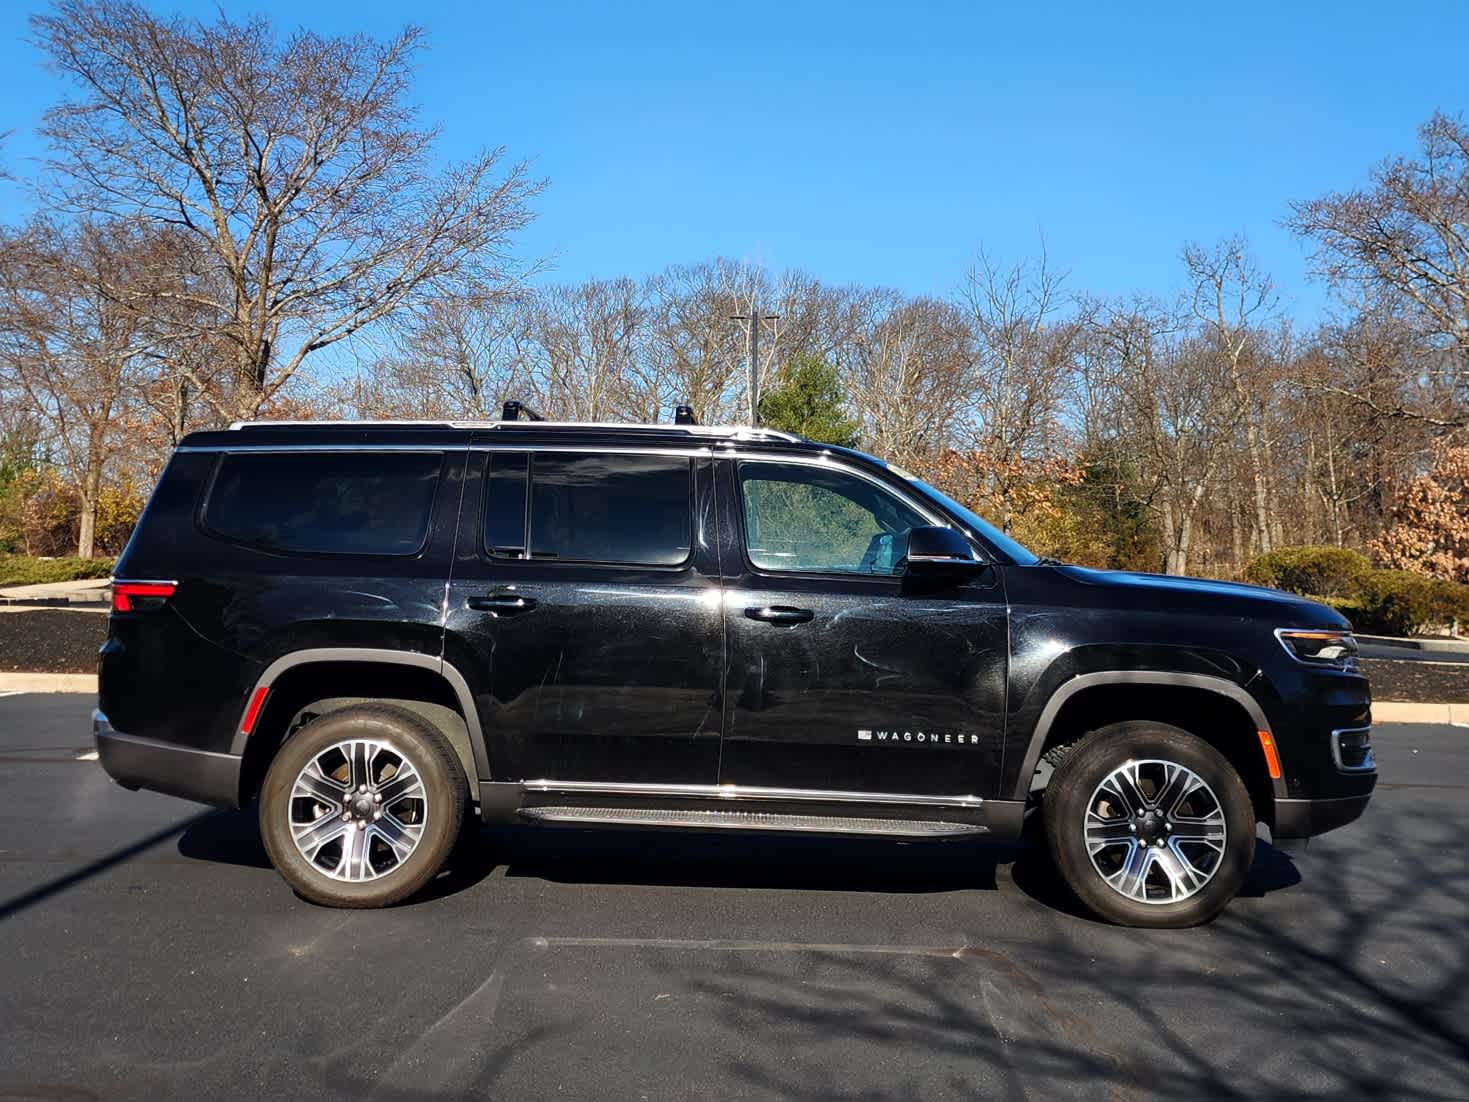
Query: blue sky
<point x="881" y="143"/>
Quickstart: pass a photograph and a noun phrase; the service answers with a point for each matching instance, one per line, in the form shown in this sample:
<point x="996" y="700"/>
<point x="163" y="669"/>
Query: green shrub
<point x="1313" y="571"/>
<point x="1397" y="602"/>
<point x="23" y="570"/>
<point x="1451" y="603"/>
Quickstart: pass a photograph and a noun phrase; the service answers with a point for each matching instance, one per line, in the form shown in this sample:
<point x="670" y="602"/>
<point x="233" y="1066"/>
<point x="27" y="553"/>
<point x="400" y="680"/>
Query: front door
<point x="843" y="676"/>
<point x="585" y="604"/>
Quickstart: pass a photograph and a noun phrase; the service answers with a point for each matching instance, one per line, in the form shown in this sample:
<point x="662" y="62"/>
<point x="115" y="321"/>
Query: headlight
<point x="1336" y="650"/>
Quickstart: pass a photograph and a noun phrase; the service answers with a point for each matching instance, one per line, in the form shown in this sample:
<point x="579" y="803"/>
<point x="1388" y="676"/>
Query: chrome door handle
<point x="779" y="614"/>
<point x="503" y="604"/>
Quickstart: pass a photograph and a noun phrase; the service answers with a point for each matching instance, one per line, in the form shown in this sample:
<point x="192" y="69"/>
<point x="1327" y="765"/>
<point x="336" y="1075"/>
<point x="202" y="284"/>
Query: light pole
<point x="752" y="322"/>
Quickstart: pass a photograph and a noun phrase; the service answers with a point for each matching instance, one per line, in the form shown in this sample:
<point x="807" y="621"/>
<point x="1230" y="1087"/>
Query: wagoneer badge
<point x="914" y="738"/>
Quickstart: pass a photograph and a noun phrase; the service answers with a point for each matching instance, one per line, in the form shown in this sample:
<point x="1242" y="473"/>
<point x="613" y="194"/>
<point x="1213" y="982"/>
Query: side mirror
<point x="939" y="554"/>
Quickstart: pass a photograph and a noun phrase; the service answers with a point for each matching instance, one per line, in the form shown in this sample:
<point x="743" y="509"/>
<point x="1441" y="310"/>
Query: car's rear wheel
<point x="362" y="807"/>
<point x="1149" y="825"/>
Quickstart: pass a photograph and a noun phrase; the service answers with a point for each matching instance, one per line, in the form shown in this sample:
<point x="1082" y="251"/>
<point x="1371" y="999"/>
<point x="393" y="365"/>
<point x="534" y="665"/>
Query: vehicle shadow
<point x="711" y="860"/>
<point x="717" y="860"/>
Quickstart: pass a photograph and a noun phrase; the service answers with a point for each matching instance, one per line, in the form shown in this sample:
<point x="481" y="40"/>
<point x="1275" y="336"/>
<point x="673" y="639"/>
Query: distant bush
<point x="1314" y="571"/>
<point x="25" y="570"/>
<point x="1399" y="602"/>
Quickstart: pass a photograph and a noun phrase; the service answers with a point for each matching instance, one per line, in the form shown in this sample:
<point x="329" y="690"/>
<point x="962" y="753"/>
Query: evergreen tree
<point x="810" y="402"/>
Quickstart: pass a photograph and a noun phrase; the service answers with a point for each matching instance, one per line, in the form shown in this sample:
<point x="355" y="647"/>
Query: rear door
<point x="842" y="675"/>
<point x="584" y="607"/>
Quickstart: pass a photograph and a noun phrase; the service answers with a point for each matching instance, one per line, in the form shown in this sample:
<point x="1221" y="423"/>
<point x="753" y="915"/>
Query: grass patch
<point x="24" y="570"/>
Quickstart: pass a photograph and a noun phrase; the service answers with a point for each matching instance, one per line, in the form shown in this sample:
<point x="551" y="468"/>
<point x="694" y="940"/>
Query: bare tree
<point x="1230" y="297"/>
<point x="1173" y="409"/>
<point x="456" y="358"/>
<point x="297" y="164"/>
<point x="583" y="346"/>
<point x="74" y="338"/>
<point x="908" y="372"/>
<point x="1022" y="371"/>
<point x="1402" y="246"/>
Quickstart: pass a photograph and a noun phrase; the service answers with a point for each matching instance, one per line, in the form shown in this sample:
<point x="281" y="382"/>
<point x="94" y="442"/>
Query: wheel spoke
<point x="359" y="760"/>
<point x="1184" y="878"/>
<point x="353" y="864"/>
<point x="1123" y="783"/>
<point x="402" y="838"/>
<point x="1208" y="832"/>
<point x="406" y="783"/>
<point x="1131" y="879"/>
<point x="1101" y="832"/>
<point x="311" y="837"/>
<point x="312" y="782"/>
<point x="1178" y="784"/>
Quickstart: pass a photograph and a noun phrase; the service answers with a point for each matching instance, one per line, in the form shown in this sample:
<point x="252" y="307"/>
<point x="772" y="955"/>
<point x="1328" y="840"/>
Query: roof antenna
<point x="513" y="409"/>
<point x="684" y="415"/>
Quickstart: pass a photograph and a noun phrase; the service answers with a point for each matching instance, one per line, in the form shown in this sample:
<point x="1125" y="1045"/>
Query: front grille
<point x="1351" y="749"/>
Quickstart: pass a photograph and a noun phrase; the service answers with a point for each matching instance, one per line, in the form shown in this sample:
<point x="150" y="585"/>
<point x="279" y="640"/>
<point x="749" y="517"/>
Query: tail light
<point x="140" y="596"/>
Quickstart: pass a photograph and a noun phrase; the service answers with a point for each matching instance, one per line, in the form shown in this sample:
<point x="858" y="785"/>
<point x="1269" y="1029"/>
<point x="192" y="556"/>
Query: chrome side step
<point x="693" y="818"/>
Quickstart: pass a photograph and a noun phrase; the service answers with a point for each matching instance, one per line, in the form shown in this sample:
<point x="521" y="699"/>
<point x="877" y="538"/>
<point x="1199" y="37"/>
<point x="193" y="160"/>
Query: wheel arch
<point x="331" y="678"/>
<point x="1091" y="700"/>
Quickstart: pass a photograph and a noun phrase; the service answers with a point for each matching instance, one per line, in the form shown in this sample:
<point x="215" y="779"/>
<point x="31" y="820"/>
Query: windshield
<point x="977" y="525"/>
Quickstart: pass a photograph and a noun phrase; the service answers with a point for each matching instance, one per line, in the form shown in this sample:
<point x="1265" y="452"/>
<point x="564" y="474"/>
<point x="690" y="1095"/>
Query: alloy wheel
<point x="358" y="810"/>
<point x="1155" y="831"/>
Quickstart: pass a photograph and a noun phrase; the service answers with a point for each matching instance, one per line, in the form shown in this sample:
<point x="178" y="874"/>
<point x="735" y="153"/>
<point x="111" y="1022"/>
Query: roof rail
<point x="734" y="432"/>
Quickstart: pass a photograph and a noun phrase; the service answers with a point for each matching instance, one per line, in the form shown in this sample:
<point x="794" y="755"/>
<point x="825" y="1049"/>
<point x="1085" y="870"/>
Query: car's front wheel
<point x="1150" y="825"/>
<point x="362" y="807"/>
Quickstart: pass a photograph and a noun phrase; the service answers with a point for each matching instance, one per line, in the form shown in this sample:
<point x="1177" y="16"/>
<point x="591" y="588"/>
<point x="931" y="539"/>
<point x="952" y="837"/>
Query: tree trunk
<point x="90" y="492"/>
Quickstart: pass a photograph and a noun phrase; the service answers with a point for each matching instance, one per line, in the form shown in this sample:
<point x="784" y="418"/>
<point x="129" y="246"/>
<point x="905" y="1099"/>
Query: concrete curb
<point x="48" y="683"/>
<point x="1395" y="711"/>
<point x="1440" y="646"/>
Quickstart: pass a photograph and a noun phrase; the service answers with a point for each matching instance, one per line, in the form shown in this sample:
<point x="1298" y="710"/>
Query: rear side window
<point x="325" y="503"/>
<point x="587" y="507"/>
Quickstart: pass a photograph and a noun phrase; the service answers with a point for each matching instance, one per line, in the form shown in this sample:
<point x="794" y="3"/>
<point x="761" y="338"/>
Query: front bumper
<point x="1307" y="818"/>
<point x="135" y="762"/>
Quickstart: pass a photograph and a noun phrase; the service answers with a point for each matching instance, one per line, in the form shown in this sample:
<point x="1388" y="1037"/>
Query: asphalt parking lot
<point x="150" y="952"/>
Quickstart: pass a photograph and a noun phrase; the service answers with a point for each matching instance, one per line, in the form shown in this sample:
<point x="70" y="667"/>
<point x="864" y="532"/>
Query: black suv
<point x="375" y="628"/>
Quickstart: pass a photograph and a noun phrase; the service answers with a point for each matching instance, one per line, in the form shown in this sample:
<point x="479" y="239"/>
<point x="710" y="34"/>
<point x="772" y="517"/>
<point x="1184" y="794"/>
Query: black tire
<point x="1070" y="794"/>
<point x="439" y="811"/>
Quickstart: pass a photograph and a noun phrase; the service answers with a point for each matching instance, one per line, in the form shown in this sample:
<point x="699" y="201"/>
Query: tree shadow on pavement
<point x="1357" y="987"/>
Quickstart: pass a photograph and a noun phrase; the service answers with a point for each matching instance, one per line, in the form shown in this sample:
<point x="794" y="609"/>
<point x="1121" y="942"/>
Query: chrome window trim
<point x="832" y="462"/>
<point x="828" y="461"/>
<point x="1369" y="764"/>
<point x="592" y="449"/>
<point x="744" y="792"/>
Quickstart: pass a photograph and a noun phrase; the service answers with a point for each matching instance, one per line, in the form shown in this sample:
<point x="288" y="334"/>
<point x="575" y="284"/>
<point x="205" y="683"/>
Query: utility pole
<point x="752" y="322"/>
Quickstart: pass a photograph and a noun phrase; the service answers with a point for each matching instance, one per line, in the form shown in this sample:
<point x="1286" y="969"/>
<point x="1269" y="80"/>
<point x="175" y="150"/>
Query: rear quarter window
<point x="324" y="503"/>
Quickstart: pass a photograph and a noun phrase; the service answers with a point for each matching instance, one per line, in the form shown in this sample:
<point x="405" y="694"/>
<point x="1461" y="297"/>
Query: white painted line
<point x="87" y="755"/>
<point x="11" y="692"/>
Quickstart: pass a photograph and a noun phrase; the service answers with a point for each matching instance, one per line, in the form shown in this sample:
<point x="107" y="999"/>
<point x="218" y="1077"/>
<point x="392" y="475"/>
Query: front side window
<point x="326" y="503"/>
<point x="822" y="520"/>
<point x="591" y="507"/>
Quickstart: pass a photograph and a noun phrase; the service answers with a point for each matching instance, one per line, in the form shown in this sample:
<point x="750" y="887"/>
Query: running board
<point x="748" y="820"/>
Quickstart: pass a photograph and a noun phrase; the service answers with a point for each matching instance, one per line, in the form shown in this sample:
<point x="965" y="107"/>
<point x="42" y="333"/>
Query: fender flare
<point x="432" y="663"/>
<point x="1085" y="681"/>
